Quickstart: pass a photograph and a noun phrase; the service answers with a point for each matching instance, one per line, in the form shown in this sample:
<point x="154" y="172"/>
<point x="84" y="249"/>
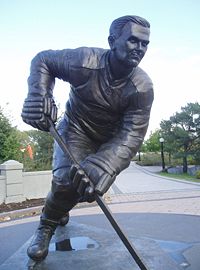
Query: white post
<point x="12" y="170"/>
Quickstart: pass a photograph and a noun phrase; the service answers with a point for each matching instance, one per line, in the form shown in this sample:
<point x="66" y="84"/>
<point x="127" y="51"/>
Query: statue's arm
<point x="45" y="67"/>
<point x="39" y="105"/>
<point x="119" y="151"/>
<point x="116" y="154"/>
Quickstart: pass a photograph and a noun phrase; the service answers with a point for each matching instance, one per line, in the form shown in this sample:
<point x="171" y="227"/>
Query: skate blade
<point x="34" y="265"/>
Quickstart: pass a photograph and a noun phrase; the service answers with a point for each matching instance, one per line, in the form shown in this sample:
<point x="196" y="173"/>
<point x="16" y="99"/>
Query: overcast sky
<point x="172" y="59"/>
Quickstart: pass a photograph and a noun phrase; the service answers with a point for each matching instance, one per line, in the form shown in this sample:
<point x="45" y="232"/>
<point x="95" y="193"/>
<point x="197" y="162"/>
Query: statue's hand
<point x="37" y="110"/>
<point x="98" y="175"/>
<point x="82" y="184"/>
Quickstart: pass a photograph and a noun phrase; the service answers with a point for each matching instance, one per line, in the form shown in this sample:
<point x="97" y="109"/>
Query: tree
<point x="152" y="144"/>
<point x="42" y="145"/>
<point x="168" y="135"/>
<point x="196" y="151"/>
<point x="182" y="132"/>
<point x="9" y="142"/>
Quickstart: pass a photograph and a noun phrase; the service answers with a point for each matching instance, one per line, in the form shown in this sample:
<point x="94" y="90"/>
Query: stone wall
<point x="179" y="169"/>
<point x="17" y="185"/>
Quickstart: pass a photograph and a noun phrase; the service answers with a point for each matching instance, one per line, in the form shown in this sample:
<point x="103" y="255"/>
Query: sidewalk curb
<point x="21" y="213"/>
<point x="37" y="210"/>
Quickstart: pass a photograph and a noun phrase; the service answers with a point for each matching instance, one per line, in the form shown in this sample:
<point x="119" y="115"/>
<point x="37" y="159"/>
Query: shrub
<point x="197" y="174"/>
<point x="150" y="159"/>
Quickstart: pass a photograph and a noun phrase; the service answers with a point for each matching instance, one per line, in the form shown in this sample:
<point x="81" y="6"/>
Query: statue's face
<point x="131" y="46"/>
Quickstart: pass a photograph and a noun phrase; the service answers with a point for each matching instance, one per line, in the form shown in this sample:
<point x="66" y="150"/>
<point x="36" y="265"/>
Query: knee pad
<point x="63" y="190"/>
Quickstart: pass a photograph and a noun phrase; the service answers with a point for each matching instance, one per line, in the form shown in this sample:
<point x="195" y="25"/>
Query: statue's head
<point x="128" y="39"/>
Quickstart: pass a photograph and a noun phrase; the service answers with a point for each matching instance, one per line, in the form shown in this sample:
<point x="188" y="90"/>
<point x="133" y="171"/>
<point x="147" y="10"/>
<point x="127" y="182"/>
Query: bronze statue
<point x="105" y="122"/>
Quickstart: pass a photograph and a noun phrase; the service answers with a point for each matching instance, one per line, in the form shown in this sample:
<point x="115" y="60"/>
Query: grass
<point x="183" y="176"/>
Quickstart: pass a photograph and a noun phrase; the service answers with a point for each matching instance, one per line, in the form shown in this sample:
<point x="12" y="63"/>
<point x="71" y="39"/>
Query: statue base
<point x="77" y="246"/>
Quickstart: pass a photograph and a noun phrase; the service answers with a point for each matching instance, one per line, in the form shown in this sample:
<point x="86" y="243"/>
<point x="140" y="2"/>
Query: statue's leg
<point x="62" y="197"/>
<point x="60" y="200"/>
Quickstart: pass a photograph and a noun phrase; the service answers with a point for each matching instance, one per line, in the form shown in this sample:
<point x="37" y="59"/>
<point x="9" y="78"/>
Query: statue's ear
<point x="111" y="41"/>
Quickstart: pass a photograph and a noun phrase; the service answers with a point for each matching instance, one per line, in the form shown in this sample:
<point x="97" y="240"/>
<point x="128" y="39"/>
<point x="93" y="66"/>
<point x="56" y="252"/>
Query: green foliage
<point x="9" y="141"/>
<point x="182" y="176"/>
<point x="13" y="145"/>
<point x="182" y="133"/>
<point x="152" y="144"/>
<point x="42" y="145"/>
<point x="197" y="174"/>
<point x="196" y="151"/>
<point x="150" y="159"/>
<point x="154" y="159"/>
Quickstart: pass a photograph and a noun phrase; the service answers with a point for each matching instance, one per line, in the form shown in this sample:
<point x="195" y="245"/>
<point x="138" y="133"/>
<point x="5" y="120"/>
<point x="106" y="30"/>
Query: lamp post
<point x="139" y="156"/>
<point x="162" y="154"/>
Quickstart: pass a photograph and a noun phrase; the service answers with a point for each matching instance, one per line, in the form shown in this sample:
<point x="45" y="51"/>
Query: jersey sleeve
<point x="51" y="64"/>
<point x="116" y="154"/>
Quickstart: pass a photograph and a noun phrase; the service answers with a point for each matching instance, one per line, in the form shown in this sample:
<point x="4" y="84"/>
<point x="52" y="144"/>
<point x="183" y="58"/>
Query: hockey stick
<point x="100" y="202"/>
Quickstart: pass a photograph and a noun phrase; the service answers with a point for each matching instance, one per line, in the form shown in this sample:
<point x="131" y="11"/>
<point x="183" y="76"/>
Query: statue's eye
<point x="145" y="43"/>
<point x="132" y="40"/>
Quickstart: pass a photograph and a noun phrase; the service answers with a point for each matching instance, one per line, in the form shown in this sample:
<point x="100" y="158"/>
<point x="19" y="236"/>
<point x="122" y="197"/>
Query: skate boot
<point x="39" y="246"/>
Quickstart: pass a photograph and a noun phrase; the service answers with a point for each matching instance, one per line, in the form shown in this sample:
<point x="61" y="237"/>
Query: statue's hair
<point x="118" y="24"/>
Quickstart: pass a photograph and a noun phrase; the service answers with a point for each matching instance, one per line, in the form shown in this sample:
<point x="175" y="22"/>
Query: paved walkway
<point x="138" y="189"/>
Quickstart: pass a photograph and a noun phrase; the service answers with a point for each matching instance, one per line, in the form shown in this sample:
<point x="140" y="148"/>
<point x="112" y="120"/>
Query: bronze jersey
<point x="114" y="113"/>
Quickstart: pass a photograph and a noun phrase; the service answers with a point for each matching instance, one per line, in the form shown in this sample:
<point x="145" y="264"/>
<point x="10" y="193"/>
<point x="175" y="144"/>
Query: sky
<point x="172" y="60"/>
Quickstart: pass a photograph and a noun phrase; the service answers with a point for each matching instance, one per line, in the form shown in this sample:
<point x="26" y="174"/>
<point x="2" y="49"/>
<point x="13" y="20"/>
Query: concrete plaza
<point x="160" y="216"/>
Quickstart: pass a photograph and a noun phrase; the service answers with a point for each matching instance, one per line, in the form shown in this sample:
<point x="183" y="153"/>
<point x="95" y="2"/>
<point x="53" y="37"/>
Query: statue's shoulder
<point x="89" y="57"/>
<point x="141" y="80"/>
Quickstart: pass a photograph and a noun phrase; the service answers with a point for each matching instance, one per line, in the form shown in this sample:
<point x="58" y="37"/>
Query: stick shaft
<point x="100" y="202"/>
<point x="120" y="233"/>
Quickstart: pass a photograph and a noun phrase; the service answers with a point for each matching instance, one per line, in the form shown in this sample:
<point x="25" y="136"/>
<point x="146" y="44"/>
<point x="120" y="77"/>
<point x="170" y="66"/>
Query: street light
<point x="162" y="154"/>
